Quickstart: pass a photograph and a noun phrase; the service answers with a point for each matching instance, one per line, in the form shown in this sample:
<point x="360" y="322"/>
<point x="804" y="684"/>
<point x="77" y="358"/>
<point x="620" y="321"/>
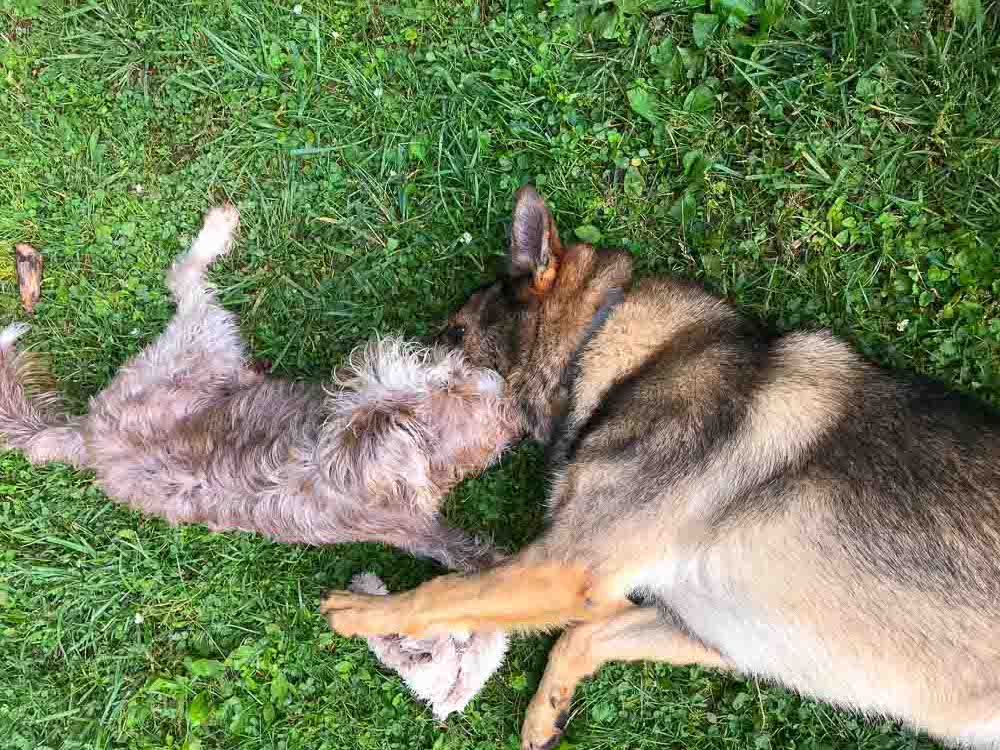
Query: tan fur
<point x="771" y="504"/>
<point x="643" y="323"/>
<point x="520" y="594"/>
<point x="635" y="635"/>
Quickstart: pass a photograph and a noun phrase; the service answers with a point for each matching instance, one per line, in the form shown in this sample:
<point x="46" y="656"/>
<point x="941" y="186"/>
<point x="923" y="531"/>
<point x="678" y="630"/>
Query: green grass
<point x="825" y="163"/>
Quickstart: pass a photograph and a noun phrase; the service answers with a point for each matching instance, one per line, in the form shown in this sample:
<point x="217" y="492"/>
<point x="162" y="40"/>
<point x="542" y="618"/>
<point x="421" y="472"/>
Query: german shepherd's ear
<point x="534" y="241"/>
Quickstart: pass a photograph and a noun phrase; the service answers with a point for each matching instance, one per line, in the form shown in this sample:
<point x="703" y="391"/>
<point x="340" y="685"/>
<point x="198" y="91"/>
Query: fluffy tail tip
<point x="10" y="334"/>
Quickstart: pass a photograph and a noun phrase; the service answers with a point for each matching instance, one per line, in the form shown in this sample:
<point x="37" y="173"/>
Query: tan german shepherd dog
<point x="772" y="505"/>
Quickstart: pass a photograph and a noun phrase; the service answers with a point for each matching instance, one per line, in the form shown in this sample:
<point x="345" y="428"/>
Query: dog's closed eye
<point x="454" y="335"/>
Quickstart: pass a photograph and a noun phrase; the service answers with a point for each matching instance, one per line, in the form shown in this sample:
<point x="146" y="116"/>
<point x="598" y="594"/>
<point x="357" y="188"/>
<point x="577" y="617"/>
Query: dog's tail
<point x="32" y="418"/>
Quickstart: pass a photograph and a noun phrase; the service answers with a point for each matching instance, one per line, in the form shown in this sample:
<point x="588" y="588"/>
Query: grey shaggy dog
<point x="190" y="432"/>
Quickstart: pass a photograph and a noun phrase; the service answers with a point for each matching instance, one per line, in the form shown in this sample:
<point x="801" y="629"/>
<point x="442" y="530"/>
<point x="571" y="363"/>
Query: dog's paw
<point x="216" y="236"/>
<point x="545" y="740"/>
<point x="224" y="218"/>
<point x="546" y="719"/>
<point x="351" y="614"/>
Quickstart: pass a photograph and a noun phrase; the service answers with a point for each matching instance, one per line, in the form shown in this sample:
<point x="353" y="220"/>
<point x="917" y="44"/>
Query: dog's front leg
<point x="520" y="594"/>
<point x="640" y="634"/>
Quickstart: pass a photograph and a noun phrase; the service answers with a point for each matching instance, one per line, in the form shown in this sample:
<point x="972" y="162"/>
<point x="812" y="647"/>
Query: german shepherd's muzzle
<point x="776" y="506"/>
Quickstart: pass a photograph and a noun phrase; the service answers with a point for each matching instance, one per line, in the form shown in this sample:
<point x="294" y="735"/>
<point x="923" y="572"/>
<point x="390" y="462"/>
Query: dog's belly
<point x="204" y="458"/>
<point x="800" y="655"/>
<point x="849" y="642"/>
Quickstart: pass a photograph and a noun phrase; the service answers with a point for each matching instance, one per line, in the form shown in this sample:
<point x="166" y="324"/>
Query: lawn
<point x="829" y="163"/>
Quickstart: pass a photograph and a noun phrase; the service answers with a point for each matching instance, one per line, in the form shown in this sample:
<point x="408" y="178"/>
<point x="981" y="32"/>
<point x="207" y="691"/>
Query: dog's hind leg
<point x="420" y="534"/>
<point x="32" y="418"/>
<point x="200" y="350"/>
<point x="640" y="634"/>
<point x="203" y="335"/>
<point x="201" y="344"/>
<point x="453" y="548"/>
<point x="187" y="276"/>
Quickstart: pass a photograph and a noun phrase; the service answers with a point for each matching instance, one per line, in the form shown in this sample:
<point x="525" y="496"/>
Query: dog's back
<point x="802" y="512"/>
<point x="773" y="504"/>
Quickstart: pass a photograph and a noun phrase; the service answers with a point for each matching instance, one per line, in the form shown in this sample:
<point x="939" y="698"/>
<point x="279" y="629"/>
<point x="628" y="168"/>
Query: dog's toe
<point x="547" y="717"/>
<point x="353" y="614"/>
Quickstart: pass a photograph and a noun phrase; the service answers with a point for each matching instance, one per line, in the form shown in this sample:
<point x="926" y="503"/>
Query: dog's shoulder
<point x="660" y="363"/>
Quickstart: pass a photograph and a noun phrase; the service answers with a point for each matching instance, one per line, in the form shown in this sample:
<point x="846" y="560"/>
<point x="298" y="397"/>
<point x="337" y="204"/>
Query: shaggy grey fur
<point x="447" y="670"/>
<point x="189" y="432"/>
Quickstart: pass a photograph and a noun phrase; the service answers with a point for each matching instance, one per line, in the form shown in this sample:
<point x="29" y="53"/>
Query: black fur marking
<point x="562" y="720"/>
<point x="571" y="372"/>
<point x="496" y="324"/>
<point x="494" y="307"/>
<point x="609" y="304"/>
<point x="536" y="420"/>
<point x="611" y="406"/>
<point x="915" y="487"/>
<point x="641" y="598"/>
<point x="746" y="354"/>
<point x="453" y="336"/>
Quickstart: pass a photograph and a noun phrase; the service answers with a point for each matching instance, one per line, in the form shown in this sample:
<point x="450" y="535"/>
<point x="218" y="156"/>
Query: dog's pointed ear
<point x="534" y="242"/>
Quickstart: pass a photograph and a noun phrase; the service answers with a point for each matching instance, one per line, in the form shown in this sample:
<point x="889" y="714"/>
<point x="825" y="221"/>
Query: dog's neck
<point x="561" y="403"/>
<point x="561" y="437"/>
<point x="612" y="298"/>
<point x="552" y="340"/>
